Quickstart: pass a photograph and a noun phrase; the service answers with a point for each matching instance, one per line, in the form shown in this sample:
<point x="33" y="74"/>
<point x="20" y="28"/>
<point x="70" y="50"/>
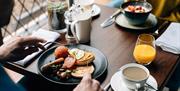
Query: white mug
<point x="133" y="83"/>
<point x="81" y="28"/>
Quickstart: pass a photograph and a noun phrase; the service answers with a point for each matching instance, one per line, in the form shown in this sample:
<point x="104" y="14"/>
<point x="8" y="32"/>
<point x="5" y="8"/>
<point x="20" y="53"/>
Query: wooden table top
<point x="117" y="44"/>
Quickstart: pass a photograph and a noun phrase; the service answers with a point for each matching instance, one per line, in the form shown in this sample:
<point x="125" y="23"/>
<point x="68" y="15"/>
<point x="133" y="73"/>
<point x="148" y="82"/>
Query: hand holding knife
<point x="111" y="19"/>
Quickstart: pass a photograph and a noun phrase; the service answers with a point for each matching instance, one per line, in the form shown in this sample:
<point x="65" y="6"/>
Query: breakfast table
<point x="117" y="44"/>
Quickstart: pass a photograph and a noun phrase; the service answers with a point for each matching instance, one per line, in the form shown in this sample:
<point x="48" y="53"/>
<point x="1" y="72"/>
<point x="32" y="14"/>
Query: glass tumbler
<point x="56" y="10"/>
<point x="145" y="51"/>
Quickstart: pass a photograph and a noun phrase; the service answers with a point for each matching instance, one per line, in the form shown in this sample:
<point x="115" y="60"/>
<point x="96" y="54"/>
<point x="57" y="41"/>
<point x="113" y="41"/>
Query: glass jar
<point x="56" y="10"/>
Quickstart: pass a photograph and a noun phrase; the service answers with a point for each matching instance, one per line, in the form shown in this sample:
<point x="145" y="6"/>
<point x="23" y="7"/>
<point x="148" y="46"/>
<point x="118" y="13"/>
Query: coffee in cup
<point x="134" y="75"/>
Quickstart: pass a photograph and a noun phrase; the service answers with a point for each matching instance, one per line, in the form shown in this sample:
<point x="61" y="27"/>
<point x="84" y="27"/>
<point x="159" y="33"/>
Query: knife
<point x="107" y="87"/>
<point x="111" y="19"/>
<point x="161" y="27"/>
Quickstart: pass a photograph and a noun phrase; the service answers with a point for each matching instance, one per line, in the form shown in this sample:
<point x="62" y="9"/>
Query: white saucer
<point x="96" y="10"/>
<point x="150" y="22"/>
<point x="118" y="85"/>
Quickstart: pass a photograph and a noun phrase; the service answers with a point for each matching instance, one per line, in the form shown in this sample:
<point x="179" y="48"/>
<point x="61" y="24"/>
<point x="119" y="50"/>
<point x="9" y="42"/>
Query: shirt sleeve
<point x="6" y="84"/>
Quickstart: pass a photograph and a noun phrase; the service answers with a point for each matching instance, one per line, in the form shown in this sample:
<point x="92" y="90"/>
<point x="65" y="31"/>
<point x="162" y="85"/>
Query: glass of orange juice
<point x="145" y="51"/>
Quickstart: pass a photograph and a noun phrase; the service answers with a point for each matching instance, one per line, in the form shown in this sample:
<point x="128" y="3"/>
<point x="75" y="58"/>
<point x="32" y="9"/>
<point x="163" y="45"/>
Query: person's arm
<point x="19" y="47"/>
<point x="88" y="84"/>
<point x="6" y="84"/>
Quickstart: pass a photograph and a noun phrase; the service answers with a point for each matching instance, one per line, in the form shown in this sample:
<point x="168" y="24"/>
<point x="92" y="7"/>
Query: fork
<point x="51" y="43"/>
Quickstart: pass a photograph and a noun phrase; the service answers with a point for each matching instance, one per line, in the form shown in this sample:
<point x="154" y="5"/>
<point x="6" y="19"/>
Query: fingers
<point x="86" y="78"/>
<point x="101" y="89"/>
<point x="30" y="50"/>
<point x="95" y="85"/>
<point x="88" y="83"/>
<point x="19" y="47"/>
<point x="30" y="40"/>
<point x="22" y="53"/>
<point x="40" y="46"/>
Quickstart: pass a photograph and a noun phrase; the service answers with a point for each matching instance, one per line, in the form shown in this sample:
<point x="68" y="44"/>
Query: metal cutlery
<point x="107" y="87"/>
<point x="160" y="28"/>
<point x="149" y="86"/>
<point x="57" y="43"/>
<point x="50" y="42"/>
<point x="111" y="19"/>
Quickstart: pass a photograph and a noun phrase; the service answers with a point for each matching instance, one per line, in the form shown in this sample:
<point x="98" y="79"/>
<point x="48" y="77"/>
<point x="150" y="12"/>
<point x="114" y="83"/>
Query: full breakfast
<point x="69" y="63"/>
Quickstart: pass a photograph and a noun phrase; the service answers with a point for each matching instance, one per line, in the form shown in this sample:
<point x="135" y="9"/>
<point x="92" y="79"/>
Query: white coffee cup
<point x="134" y="75"/>
<point x="81" y="27"/>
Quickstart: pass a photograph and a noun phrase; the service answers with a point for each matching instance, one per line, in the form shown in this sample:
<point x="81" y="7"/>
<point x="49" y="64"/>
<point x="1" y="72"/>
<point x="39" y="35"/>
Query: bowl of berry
<point x="136" y="12"/>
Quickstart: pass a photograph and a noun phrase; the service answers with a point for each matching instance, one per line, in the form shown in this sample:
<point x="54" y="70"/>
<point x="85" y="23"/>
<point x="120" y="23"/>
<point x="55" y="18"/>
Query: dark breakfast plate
<point x="100" y="63"/>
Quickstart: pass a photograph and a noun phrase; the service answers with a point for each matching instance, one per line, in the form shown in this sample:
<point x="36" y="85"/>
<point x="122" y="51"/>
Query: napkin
<point x="170" y="40"/>
<point x="49" y="36"/>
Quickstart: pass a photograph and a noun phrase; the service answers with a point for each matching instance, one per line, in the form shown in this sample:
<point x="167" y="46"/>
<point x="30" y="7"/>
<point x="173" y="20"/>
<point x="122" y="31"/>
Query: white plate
<point x="118" y="85"/>
<point x="150" y="22"/>
<point x="96" y="10"/>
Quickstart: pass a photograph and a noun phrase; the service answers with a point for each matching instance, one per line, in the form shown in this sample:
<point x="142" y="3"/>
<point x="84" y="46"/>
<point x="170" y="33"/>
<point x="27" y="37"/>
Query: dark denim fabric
<point x="174" y="81"/>
<point x="6" y="84"/>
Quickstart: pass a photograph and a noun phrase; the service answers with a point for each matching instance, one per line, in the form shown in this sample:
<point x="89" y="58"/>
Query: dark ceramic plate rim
<point x="58" y="82"/>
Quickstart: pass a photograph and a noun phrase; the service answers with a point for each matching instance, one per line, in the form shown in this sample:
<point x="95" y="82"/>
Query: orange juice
<point x="144" y="54"/>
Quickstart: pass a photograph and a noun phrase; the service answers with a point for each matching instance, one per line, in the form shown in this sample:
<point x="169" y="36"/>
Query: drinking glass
<point x="56" y="10"/>
<point x="145" y="51"/>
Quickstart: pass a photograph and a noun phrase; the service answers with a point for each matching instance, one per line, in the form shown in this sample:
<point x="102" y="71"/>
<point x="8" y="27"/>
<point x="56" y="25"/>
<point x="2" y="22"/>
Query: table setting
<point x="114" y="51"/>
<point x="133" y="20"/>
<point x="100" y="64"/>
<point x="78" y="21"/>
<point x="117" y="83"/>
<point x="166" y="42"/>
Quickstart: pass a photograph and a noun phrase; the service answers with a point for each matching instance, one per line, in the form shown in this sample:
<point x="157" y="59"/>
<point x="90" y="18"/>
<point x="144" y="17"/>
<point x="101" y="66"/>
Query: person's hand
<point x="88" y="84"/>
<point x="19" y="47"/>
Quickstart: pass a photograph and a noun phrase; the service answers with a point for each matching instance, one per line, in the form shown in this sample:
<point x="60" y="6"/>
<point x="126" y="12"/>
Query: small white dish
<point x="123" y="22"/>
<point x="117" y="83"/>
<point x="96" y="10"/>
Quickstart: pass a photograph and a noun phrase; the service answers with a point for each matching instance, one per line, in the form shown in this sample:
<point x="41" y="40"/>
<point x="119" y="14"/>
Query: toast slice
<point x="81" y="70"/>
<point x="86" y="59"/>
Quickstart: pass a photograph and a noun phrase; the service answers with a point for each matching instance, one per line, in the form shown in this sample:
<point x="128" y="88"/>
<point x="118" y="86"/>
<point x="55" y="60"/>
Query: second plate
<point x="150" y="22"/>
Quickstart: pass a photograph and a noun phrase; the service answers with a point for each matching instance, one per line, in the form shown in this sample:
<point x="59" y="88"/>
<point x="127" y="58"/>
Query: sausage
<point x="55" y="62"/>
<point x="69" y="62"/>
